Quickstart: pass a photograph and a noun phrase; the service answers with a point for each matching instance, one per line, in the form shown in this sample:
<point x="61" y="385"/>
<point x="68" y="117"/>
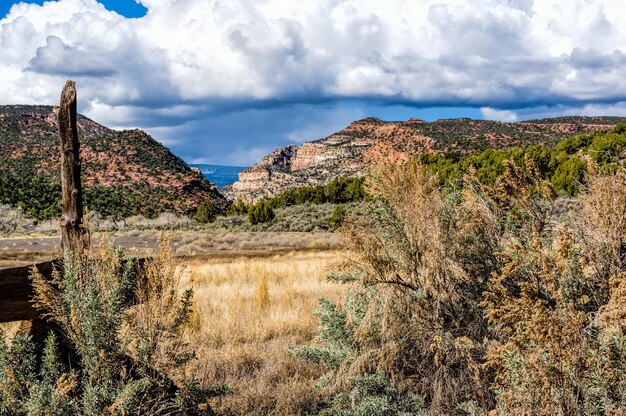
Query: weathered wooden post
<point x="15" y="286"/>
<point x="73" y="235"/>
<point x="71" y="188"/>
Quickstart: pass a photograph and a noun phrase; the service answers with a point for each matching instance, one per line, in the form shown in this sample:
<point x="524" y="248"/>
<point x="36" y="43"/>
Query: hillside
<point x="353" y="150"/>
<point x="124" y="172"/>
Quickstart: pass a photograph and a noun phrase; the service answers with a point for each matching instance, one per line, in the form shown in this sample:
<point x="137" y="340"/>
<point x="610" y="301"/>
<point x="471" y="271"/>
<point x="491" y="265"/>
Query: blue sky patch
<point x="126" y="8"/>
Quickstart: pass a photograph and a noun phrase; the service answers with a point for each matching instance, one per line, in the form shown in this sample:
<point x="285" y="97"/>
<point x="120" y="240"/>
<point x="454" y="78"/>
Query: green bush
<point x="375" y="395"/>
<point x="606" y="147"/>
<point x="238" y="208"/>
<point x="564" y="165"/>
<point x="261" y="212"/>
<point x="123" y="361"/>
<point x="569" y="175"/>
<point x="205" y="213"/>
<point x="339" y="191"/>
<point x="336" y="218"/>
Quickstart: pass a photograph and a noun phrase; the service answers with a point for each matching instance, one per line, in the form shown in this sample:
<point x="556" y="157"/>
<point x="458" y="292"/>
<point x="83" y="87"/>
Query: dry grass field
<point x="248" y="313"/>
<point x="249" y="310"/>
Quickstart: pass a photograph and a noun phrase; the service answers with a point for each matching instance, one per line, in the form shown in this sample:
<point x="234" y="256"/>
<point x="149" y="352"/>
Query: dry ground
<point x="187" y="244"/>
<point x="248" y="314"/>
<point x="254" y="298"/>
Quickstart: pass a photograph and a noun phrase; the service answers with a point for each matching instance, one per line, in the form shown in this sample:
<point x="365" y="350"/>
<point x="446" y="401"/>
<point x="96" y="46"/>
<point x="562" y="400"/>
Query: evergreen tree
<point x="205" y="213"/>
<point x="261" y="212"/>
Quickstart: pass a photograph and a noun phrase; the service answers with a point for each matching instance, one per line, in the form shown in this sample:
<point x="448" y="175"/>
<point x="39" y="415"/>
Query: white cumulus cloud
<point x="498" y="115"/>
<point x="203" y="58"/>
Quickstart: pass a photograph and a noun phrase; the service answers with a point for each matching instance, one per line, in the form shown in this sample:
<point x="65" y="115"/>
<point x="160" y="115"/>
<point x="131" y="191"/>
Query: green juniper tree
<point x="261" y="212"/>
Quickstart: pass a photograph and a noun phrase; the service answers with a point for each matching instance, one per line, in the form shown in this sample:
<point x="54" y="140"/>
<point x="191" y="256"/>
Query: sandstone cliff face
<point x="355" y="149"/>
<point x="264" y="174"/>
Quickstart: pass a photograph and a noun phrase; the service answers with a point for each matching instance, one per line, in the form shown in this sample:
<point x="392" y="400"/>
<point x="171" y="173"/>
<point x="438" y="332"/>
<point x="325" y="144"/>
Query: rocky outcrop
<point x="353" y="150"/>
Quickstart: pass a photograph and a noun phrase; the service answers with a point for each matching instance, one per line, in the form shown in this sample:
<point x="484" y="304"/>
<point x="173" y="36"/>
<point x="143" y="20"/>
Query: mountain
<point x="220" y="175"/>
<point x="353" y="150"/>
<point x="124" y="172"/>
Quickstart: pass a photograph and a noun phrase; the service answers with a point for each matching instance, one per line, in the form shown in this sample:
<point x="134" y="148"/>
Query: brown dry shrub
<point x="443" y="263"/>
<point x="557" y="309"/>
<point x="158" y="327"/>
<point x="428" y="253"/>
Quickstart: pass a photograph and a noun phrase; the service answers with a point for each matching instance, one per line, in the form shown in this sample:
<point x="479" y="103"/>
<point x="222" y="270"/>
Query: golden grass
<point x="248" y="312"/>
<point x="9" y="329"/>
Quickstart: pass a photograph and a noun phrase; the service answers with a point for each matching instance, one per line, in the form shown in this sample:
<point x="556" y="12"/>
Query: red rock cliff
<point x="353" y="150"/>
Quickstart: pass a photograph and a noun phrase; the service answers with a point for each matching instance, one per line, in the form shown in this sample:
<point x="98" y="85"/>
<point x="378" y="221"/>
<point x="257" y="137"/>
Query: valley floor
<point x="248" y="313"/>
<point x="186" y="244"/>
<point x="255" y="294"/>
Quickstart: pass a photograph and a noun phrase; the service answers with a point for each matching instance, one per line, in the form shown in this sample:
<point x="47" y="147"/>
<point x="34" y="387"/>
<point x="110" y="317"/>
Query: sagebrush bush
<point x="482" y="298"/>
<point x="421" y="262"/>
<point x="123" y="360"/>
<point x="558" y="346"/>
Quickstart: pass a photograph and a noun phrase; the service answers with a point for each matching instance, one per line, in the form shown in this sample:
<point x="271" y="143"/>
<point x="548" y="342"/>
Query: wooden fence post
<point x="71" y="188"/>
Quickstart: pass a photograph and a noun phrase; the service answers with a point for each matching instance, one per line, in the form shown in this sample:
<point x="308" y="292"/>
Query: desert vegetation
<point x="494" y="299"/>
<point x="480" y="298"/>
<point x="492" y="284"/>
<point x="120" y="345"/>
<point x="248" y="313"/>
<point x="232" y="336"/>
<point x="340" y="191"/>
<point x="564" y="165"/>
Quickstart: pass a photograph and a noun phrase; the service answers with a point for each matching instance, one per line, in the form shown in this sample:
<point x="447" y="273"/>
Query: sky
<point x="228" y="81"/>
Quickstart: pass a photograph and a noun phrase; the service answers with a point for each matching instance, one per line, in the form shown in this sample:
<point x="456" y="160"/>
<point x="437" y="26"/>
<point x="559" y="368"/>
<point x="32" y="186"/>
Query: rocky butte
<point x="353" y="150"/>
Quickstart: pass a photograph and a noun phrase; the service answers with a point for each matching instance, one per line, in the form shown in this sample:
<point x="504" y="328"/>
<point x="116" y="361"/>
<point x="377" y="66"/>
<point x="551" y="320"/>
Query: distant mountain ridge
<point x="353" y="150"/>
<point x="124" y="172"/>
<point x="220" y="175"/>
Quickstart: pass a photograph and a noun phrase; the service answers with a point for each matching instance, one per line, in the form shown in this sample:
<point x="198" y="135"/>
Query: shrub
<point x="569" y="176"/>
<point x="205" y="213"/>
<point x="606" y="147"/>
<point x="238" y="208"/>
<point x="417" y="282"/>
<point x="261" y="212"/>
<point x="565" y="164"/>
<point x="374" y="395"/>
<point x="483" y="302"/>
<point x="336" y="218"/>
<point x="558" y="346"/>
<point x="126" y="361"/>
<point x="338" y="191"/>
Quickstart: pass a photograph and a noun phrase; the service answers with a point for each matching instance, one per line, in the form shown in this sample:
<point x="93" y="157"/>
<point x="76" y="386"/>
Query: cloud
<point x="57" y="58"/>
<point x="498" y="115"/>
<point x="617" y="109"/>
<point x="187" y="61"/>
